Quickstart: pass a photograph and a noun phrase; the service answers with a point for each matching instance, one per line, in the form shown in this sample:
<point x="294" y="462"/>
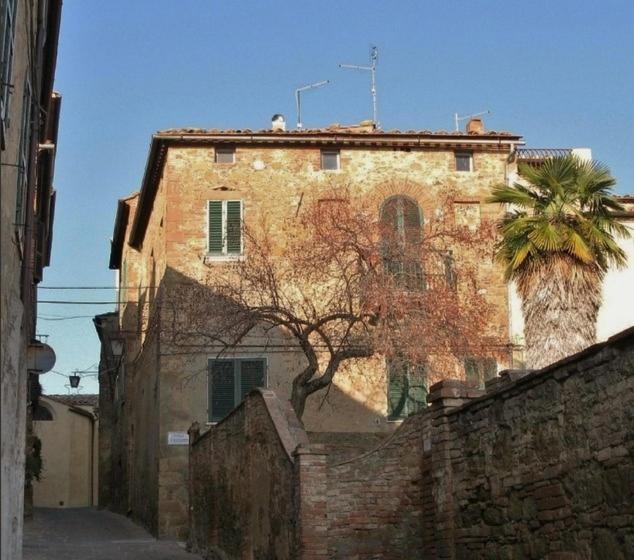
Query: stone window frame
<point x="223" y="151"/>
<point x="224" y="255"/>
<point x="462" y="156"/>
<point x="234" y="359"/>
<point x="325" y="152"/>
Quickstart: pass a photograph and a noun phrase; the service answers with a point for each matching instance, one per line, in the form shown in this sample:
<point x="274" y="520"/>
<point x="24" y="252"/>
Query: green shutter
<point x="215" y="226"/>
<point x="221" y="389"/>
<point x="417" y="389"/>
<point x="234" y="227"/>
<point x="251" y="376"/>
<point x="397" y="390"/>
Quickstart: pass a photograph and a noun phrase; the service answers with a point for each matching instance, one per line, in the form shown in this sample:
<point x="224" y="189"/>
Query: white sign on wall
<point x="177" y="438"/>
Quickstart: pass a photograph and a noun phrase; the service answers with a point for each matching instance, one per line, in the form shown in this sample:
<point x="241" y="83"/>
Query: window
<point x="330" y="160"/>
<point x="464" y="161"/>
<point x="225" y="155"/>
<point x="402" y="226"/>
<point x="230" y="381"/>
<point x="7" y="37"/>
<point x="407" y="389"/>
<point x="24" y="153"/>
<point x="225" y="227"/>
<point x="479" y="370"/>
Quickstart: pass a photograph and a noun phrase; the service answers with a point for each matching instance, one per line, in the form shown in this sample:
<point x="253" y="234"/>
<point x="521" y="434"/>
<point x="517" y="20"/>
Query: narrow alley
<point x="90" y="534"/>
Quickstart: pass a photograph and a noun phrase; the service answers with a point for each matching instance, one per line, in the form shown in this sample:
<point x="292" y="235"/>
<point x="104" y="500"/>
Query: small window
<point x="230" y="381"/>
<point x="407" y="389"/>
<point x="225" y="227"/>
<point x="225" y="155"/>
<point x="479" y="370"/>
<point x="330" y="160"/>
<point x="464" y="161"/>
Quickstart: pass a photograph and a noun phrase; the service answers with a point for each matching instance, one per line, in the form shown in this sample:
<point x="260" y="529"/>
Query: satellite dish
<point x="40" y="358"/>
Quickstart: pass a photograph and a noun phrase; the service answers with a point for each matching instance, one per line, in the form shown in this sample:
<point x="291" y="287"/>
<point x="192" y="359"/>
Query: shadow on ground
<point x="90" y="534"/>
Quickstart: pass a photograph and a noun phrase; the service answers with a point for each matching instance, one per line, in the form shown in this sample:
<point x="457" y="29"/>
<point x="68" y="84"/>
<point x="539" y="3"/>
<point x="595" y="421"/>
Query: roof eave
<point x="161" y="140"/>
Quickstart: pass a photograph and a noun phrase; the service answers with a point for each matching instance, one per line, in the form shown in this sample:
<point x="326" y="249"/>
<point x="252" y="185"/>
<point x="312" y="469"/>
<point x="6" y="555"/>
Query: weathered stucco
<point x="69" y="454"/>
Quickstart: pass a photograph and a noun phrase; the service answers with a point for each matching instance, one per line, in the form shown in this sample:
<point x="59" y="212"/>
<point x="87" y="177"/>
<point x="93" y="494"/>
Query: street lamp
<point x="74" y="380"/>
<point x="116" y="347"/>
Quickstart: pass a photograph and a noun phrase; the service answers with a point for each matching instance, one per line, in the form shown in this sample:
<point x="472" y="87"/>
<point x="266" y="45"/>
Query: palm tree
<point x="557" y="242"/>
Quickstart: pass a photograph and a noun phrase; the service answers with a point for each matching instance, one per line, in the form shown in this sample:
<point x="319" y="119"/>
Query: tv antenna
<point x="457" y="118"/>
<point x="298" y="99"/>
<point x="374" y="58"/>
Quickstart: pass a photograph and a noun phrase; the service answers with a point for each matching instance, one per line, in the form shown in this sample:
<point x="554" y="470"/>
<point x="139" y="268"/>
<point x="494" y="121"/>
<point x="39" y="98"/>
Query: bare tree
<point x="343" y="282"/>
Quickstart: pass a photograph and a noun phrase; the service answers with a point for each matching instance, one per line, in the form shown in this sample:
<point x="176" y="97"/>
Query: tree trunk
<point x="560" y="302"/>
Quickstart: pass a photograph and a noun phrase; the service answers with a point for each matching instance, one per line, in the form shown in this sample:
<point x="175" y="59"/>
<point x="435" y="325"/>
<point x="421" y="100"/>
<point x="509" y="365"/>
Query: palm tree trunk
<point x="560" y="302"/>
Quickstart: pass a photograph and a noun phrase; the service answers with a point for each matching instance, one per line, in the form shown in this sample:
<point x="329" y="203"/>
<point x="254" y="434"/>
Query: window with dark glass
<point x="402" y="224"/>
<point x="330" y="160"/>
<point x="464" y="161"/>
<point x="407" y="388"/>
<point x="225" y="154"/>
<point x="230" y="380"/>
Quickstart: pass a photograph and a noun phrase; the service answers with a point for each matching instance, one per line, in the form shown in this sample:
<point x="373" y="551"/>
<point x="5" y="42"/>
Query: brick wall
<point x="538" y="467"/>
<point x="375" y="501"/>
<point x="257" y="490"/>
<point x="542" y="466"/>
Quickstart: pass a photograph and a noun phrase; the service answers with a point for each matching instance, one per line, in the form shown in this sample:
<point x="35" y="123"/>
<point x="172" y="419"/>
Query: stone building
<point x="67" y="427"/>
<point x="29" y="114"/>
<point x="196" y="181"/>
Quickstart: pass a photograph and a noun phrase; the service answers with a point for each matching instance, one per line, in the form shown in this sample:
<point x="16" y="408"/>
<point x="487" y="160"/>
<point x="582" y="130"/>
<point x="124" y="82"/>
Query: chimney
<point x="278" y="122"/>
<point x="475" y="126"/>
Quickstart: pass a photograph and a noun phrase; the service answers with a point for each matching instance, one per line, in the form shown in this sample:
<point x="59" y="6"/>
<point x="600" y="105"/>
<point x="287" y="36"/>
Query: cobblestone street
<point x="90" y="534"/>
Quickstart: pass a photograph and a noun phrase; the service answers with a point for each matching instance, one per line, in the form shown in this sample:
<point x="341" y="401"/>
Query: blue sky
<point x="558" y="73"/>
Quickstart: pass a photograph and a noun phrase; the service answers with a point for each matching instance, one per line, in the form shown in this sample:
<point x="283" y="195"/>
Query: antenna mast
<point x="374" y="58"/>
<point x="457" y="118"/>
<point x="298" y="100"/>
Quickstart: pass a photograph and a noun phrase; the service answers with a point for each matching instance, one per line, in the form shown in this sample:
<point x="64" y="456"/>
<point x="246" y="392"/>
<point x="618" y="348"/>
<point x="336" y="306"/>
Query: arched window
<point x="402" y="225"/>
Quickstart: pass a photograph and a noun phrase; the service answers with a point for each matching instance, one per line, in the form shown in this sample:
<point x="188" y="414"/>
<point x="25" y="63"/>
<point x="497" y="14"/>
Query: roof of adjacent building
<point x="75" y="400"/>
<point x="361" y="135"/>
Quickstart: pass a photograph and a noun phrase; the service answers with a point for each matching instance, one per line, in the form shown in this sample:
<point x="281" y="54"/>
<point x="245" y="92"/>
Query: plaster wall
<point x="70" y="475"/>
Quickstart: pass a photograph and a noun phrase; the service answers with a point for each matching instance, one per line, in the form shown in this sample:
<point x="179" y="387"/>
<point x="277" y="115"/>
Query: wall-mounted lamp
<point x="116" y="347"/>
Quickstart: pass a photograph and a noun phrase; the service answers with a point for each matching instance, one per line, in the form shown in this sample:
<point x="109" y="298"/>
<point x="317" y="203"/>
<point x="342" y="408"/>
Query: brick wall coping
<point x="510" y="381"/>
<point x="287" y="426"/>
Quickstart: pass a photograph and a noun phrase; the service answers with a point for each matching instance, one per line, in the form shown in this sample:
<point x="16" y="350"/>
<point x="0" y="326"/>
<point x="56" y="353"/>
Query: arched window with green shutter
<point x="402" y="226"/>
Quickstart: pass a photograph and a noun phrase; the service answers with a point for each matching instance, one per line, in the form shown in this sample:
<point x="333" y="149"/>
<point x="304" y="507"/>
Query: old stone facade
<point x="161" y="242"/>
<point x="29" y="113"/>
<point x="537" y="467"/>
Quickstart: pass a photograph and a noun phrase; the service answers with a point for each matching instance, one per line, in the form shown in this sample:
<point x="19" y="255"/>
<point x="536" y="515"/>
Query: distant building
<point x="174" y="231"/>
<point x="68" y="429"/>
<point x="29" y="113"/>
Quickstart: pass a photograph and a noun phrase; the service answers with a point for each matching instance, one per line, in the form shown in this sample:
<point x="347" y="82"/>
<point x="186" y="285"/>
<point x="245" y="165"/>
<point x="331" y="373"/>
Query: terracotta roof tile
<point x="75" y="400"/>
